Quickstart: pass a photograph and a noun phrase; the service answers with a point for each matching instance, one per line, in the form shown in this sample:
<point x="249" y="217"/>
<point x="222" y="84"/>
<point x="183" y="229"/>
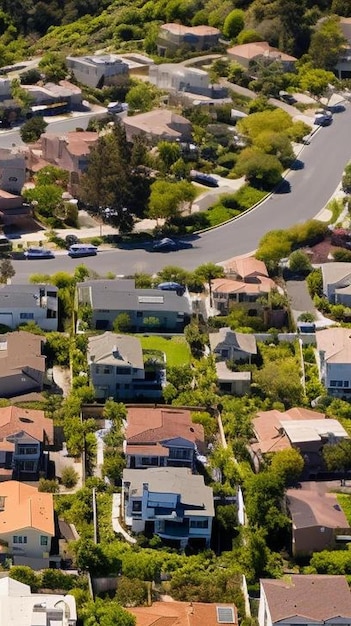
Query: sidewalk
<point x="116" y="510"/>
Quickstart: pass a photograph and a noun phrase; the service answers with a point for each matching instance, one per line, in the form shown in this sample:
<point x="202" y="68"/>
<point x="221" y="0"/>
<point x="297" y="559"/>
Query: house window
<point x="123" y="371"/>
<point x="27" y="316"/>
<point x="136" y="507"/>
<point x="27" y="466"/>
<point x="139" y="314"/>
<point x="51" y="294"/>
<point x="19" y="539"/>
<point x="196" y="523"/>
<point x="44" y="540"/>
<point x="23" y="450"/>
<point x="346" y="383"/>
<point x="146" y="460"/>
<point x="107" y="369"/>
<point x="225" y="354"/>
<point x="336" y="383"/>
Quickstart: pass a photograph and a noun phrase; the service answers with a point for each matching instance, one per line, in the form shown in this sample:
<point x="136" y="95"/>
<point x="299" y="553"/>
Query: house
<point x="172" y="36"/>
<point x="22" y="364"/>
<point x="158" y="125"/>
<point x="12" y="209"/>
<point x="246" y="269"/>
<point x="167" y="310"/>
<point x="313" y="599"/>
<point x="98" y="70"/>
<point x="249" y="52"/>
<point x="20" y="607"/>
<point x="334" y="360"/>
<point x="231" y="346"/>
<point x="63" y="94"/>
<point x="5" y="89"/>
<point x="185" y="614"/>
<point x="160" y="437"/>
<point x="233" y="383"/>
<point x="26" y="524"/>
<point x="300" y="428"/>
<point x="318" y="522"/>
<point x="337" y="282"/>
<point x="116" y="365"/>
<point x="343" y="67"/>
<point x="178" y="77"/>
<point x="12" y="170"/>
<point x="24" y="436"/>
<point x="20" y="304"/>
<point x="170" y="502"/>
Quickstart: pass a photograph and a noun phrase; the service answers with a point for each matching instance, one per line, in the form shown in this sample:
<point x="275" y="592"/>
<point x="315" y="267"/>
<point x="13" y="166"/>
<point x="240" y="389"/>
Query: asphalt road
<point x="322" y="164"/>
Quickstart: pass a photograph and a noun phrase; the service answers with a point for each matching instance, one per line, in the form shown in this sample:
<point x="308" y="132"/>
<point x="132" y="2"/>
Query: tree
<point x="277" y="144"/>
<point x="7" y="271"/>
<point x="346" y="179"/>
<point x="142" y="97"/>
<point x="207" y="272"/>
<point x="173" y="273"/>
<point x="263" y="171"/>
<point x="275" y="120"/>
<point x="53" y="65"/>
<point x="299" y="262"/>
<point x="164" y="200"/>
<point x="25" y="575"/>
<point x="288" y="465"/>
<point x="106" y="613"/>
<point x="341" y="7"/>
<point x="89" y="556"/>
<point x="315" y="81"/>
<point x="337" y="457"/>
<point x="69" y="477"/>
<point x="280" y="381"/>
<point x="47" y="201"/>
<point x="131" y="592"/>
<point x="32" y="129"/>
<point x="248" y="36"/>
<point x="122" y="323"/>
<point x="233" y="23"/>
<point x="52" y="175"/>
<point x="327" y="43"/>
<point x="30" y="77"/>
<point x="169" y="152"/>
<point x="315" y="283"/>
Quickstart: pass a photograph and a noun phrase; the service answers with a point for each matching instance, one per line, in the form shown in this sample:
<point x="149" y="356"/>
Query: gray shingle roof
<point x="113" y="349"/>
<point x="240" y="341"/>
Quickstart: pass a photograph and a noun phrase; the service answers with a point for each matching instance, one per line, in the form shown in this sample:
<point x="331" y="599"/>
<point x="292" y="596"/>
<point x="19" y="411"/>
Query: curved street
<point x="322" y="163"/>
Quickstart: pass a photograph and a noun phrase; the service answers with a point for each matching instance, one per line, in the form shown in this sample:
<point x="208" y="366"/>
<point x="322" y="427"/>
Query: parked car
<point x="204" y="179"/>
<point x="82" y="249"/>
<point x="323" y="117"/>
<point x="167" y="245"/>
<point x="39" y="253"/>
<point x="5" y="247"/>
<point x="284" y="96"/>
<point x="172" y="286"/>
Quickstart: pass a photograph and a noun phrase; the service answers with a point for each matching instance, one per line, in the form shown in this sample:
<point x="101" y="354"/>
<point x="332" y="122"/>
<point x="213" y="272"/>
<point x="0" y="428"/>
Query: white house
<point x="97" y="70"/>
<point x="337" y="282"/>
<point x="20" y="304"/>
<point x="169" y="502"/>
<point x="305" y="599"/>
<point x="20" y="607"/>
<point x="334" y="360"/>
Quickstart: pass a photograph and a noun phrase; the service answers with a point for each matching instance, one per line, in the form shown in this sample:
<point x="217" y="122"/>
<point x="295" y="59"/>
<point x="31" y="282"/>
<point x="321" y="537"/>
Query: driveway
<point x="299" y="297"/>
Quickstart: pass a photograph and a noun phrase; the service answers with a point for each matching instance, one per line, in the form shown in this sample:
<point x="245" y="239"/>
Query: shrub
<point x="55" y="579"/>
<point x="69" y="477"/>
<point x="25" y="575"/>
<point x="49" y="486"/>
<point x="344" y="256"/>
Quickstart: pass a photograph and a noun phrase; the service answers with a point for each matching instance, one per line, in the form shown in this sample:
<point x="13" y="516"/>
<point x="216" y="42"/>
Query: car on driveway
<point x="167" y="245"/>
<point x="203" y="179"/>
<point x="172" y="286"/>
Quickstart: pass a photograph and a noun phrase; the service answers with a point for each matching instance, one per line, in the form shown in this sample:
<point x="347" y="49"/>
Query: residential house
<point x="22" y="364"/>
<point x="172" y="36"/>
<point x="233" y="383"/>
<point x="334" y="360"/>
<point x="25" y="437"/>
<point x="178" y="77"/>
<point x="159" y="437"/>
<point x="246" y="269"/>
<point x="20" y="304"/>
<point x="232" y="346"/>
<point x="158" y="125"/>
<point x="249" y="52"/>
<point x="343" y="67"/>
<point x="13" y="210"/>
<point x="26" y="524"/>
<point x="170" y="502"/>
<point x="51" y="95"/>
<point x="98" y="70"/>
<point x="337" y="282"/>
<point x="147" y="308"/>
<point x="300" y="428"/>
<point x="20" y="607"/>
<point x="12" y="170"/>
<point x="318" y="522"/>
<point x="138" y="64"/>
<point x="313" y="599"/>
<point x="185" y="614"/>
<point x="5" y="89"/>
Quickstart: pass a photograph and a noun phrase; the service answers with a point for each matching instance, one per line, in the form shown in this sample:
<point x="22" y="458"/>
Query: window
<point x="336" y="383"/>
<point x="44" y="540"/>
<point x="27" y="316"/>
<point x="146" y="460"/>
<point x="136" y="507"/>
<point x="346" y="383"/>
<point x="51" y="294"/>
<point x="23" y="450"/>
<point x="139" y="314"/>
<point x="27" y="466"/>
<point x="196" y="523"/>
<point x="225" y="354"/>
<point x="123" y="371"/>
<point x="19" y="539"/>
<point x="107" y="369"/>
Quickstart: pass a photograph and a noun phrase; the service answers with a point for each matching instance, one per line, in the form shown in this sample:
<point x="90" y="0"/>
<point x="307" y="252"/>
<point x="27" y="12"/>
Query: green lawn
<point x="345" y="502"/>
<point x="176" y="348"/>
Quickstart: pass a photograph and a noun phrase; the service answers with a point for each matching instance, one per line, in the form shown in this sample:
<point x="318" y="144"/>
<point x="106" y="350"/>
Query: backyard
<point x="176" y="348"/>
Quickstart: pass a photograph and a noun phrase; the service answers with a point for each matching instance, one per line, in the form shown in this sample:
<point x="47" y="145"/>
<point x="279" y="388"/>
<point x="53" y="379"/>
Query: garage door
<point x="6" y="319"/>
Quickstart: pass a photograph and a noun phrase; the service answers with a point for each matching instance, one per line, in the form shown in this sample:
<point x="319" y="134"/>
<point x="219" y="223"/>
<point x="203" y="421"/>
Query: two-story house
<point x="98" y="70"/>
<point x="26" y="523"/>
<point x="231" y="346"/>
<point x="337" y="282"/>
<point x="159" y="437"/>
<point x="158" y="125"/>
<point x="25" y="438"/>
<point x="334" y="360"/>
<point x="20" y="304"/>
<point x="22" y="364"/>
<point x="172" y="36"/>
<point x="170" y="502"/>
<point x="305" y="599"/>
<point x="108" y="298"/>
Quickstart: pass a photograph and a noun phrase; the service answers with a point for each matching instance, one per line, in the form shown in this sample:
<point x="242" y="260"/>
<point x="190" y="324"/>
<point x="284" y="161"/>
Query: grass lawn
<point x="176" y="348"/>
<point x="345" y="502"/>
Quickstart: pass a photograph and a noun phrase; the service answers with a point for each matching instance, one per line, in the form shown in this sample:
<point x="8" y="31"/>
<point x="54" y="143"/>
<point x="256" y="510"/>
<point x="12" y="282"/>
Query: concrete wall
<point x="32" y="549"/>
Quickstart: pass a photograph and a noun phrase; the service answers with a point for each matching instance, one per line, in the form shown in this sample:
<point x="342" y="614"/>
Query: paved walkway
<point x="116" y="512"/>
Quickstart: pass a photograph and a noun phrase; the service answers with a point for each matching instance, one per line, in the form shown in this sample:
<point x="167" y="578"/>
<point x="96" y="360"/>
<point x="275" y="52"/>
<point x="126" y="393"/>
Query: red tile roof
<point x="154" y="425"/>
<point x="180" y="614"/>
<point x="14" y="419"/>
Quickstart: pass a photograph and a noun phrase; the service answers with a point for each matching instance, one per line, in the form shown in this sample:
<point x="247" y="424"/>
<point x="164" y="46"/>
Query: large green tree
<point x="327" y="44"/>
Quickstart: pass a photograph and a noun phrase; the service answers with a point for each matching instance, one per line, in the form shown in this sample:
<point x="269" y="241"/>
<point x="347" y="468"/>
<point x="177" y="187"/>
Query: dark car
<point x="203" y="179"/>
<point x="284" y="96"/>
<point x="167" y="245"/>
<point x="171" y="286"/>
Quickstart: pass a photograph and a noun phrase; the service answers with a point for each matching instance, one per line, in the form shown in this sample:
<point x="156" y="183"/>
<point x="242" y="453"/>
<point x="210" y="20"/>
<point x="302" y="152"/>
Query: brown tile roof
<point x="311" y="505"/>
<point x="154" y="425"/>
<point x="179" y="29"/>
<point x="179" y="614"/>
<point x="228" y="285"/>
<point x="34" y="423"/>
<point x="159" y="122"/>
<point x="245" y="266"/>
<point x="315" y="597"/>
<point x="147" y="450"/>
<point x="258" y="48"/>
<point x="268" y="430"/>
<point x="336" y="343"/>
<point x="25" y="507"/>
<point x="20" y="350"/>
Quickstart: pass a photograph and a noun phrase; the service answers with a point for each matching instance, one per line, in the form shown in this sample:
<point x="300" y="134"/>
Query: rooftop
<point x="271" y="437"/>
<point x="25" y="507"/>
<point x="335" y="343"/>
<point x="24" y="296"/>
<point x="21" y="350"/>
<point x="184" y="614"/>
<point x="299" y="431"/>
<point x="259" y="48"/>
<point x="78" y="143"/>
<point x="33" y="422"/>
<point x="312" y="506"/>
<point x="175" y="480"/>
<point x="225" y="374"/>
<point x="113" y="349"/>
<point x="314" y="597"/>
<point x="153" y="425"/>
<point x="159" y="122"/>
<point x="243" y="342"/>
<point x="201" y="30"/>
<point x="228" y="285"/>
<point x="336" y="271"/>
<point x="98" y="59"/>
<point x="245" y="266"/>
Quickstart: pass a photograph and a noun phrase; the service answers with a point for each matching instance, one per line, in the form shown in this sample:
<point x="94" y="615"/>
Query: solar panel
<point x="150" y="299"/>
<point x="225" y="615"/>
